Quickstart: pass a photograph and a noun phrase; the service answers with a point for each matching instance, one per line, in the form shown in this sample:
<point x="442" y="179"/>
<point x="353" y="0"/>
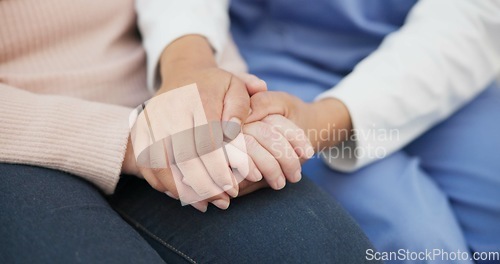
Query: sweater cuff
<point x="84" y="138"/>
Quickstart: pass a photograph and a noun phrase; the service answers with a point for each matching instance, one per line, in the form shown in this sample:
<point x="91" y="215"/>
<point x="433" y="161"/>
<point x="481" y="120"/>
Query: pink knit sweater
<point x="69" y="71"/>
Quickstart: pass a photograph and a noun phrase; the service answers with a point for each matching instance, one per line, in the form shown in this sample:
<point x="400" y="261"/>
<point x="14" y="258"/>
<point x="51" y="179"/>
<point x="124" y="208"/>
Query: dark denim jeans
<point x="48" y="216"/>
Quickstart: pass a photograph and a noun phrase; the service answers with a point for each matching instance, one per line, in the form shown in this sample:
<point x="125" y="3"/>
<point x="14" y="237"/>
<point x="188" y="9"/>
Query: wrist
<point x="129" y="165"/>
<point x="184" y="56"/>
<point x="332" y="119"/>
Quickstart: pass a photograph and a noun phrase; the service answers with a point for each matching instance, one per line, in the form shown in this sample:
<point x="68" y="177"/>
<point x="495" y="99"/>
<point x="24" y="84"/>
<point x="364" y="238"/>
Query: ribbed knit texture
<point x="69" y="73"/>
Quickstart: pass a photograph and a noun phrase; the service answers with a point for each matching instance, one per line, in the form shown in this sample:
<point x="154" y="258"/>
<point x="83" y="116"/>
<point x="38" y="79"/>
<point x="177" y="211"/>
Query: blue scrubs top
<point x="307" y="46"/>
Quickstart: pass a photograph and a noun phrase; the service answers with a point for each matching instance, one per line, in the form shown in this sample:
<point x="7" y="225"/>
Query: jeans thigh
<point x="298" y="224"/>
<point x="48" y="216"/>
<point x="396" y="203"/>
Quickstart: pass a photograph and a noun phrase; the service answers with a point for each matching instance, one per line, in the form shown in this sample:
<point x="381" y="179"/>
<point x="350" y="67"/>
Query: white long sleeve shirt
<point x="447" y="52"/>
<point x="163" y="21"/>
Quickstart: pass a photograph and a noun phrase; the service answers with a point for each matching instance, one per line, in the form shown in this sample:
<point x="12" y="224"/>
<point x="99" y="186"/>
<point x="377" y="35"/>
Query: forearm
<point x="184" y="56"/>
<point x="329" y="124"/>
<point x="129" y="164"/>
<point x="163" y="22"/>
<point x="446" y="53"/>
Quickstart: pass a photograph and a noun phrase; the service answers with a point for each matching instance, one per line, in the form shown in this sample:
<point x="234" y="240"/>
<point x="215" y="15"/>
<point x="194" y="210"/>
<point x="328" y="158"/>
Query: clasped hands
<point x="245" y="139"/>
<point x="193" y="143"/>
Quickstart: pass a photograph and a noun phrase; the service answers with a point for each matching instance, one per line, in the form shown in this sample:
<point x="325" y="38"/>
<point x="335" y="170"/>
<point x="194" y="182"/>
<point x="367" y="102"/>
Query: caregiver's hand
<point x="322" y="118"/>
<point x="224" y="97"/>
<point x="276" y="147"/>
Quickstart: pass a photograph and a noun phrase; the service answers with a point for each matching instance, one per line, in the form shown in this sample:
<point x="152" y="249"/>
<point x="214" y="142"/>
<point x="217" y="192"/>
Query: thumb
<point x="236" y="107"/>
<point x="266" y="103"/>
<point x="253" y="83"/>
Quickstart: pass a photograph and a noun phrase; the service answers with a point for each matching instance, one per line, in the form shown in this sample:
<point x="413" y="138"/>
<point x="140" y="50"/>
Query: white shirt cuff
<point x="162" y="22"/>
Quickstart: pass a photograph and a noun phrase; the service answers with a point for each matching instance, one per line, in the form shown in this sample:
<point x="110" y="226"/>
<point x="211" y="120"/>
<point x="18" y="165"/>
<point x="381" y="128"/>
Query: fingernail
<point x="280" y="183"/>
<point x="200" y="207"/>
<point x="221" y="204"/>
<point x="309" y="152"/>
<point x="300" y="152"/>
<point x="298" y="175"/>
<point x="254" y="176"/>
<point x="232" y="128"/>
<point x="171" y="195"/>
<point x="259" y="82"/>
<point x="229" y="189"/>
<point x="257" y="175"/>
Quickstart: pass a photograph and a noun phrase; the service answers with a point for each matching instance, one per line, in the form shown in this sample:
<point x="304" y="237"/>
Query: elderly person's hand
<point x="201" y="172"/>
<point x="196" y="137"/>
<point x="277" y="147"/>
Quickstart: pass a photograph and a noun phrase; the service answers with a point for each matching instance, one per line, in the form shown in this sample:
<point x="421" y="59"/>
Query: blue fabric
<point x="443" y="190"/>
<point x="49" y="216"/>
<point x="298" y="44"/>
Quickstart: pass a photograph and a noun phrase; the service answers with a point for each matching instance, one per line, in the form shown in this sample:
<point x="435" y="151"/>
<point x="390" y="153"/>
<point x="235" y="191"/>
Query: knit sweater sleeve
<point x="87" y="139"/>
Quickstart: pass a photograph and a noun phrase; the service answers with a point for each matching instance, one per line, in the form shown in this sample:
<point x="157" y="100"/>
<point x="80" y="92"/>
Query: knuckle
<point x="182" y="155"/>
<point x="272" y="171"/>
<point x="285" y="96"/>
<point x="157" y="162"/>
<point x="265" y="130"/>
<point x="216" y="164"/>
<point x="302" y="137"/>
<point x="260" y="99"/>
<point x="271" y="118"/>
<point x="239" y="102"/>
<point x="269" y="132"/>
<point x="204" y="146"/>
<point x="204" y="192"/>
<point x="250" y="142"/>
<point x="292" y="165"/>
<point x="274" y="119"/>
